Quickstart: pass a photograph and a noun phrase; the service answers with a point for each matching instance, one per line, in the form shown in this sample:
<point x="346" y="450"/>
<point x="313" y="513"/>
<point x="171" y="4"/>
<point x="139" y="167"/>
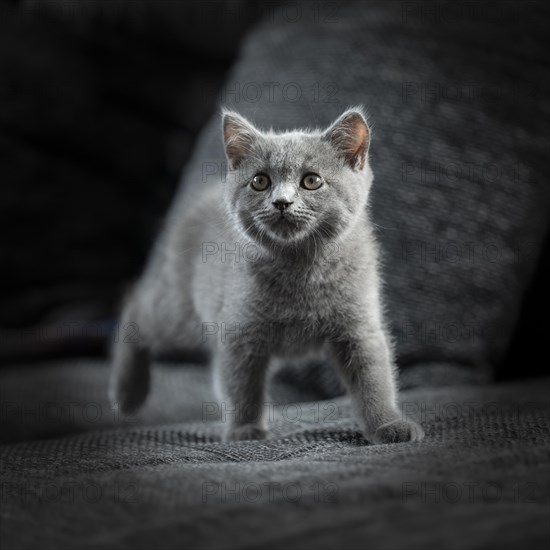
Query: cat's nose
<point x="281" y="204"/>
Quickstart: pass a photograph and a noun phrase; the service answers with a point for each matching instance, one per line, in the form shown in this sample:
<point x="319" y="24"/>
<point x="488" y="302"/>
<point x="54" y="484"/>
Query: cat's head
<point x="299" y="186"/>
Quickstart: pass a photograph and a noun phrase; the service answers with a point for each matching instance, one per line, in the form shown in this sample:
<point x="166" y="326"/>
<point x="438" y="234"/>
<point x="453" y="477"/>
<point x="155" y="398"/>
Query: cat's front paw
<point x="247" y="432"/>
<point x="398" y="431"/>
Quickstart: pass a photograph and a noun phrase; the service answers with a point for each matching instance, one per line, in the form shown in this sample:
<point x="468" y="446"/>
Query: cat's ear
<point x="238" y="136"/>
<point x="350" y="135"/>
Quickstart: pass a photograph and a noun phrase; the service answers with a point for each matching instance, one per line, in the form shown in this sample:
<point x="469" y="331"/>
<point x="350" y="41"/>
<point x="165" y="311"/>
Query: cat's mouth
<point x="281" y="227"/>
<point x="286" y="226"/>
<point x="287" y="217"/>
<point x="284" y="219"/>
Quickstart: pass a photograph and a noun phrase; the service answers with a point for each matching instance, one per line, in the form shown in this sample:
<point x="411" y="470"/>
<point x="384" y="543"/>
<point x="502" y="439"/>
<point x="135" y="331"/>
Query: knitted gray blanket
<point x="82" y="476"/>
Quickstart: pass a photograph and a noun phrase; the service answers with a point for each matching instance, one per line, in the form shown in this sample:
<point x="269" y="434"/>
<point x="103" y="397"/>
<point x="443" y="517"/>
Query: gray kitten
<point x="290" y="267"/>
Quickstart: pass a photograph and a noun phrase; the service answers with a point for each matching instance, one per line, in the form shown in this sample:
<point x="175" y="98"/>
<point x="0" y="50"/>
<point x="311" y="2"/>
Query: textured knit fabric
<point x="459" y="103"/>
<point x="163" y="479"/>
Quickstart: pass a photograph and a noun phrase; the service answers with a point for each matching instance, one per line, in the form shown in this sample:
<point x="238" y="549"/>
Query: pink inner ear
<point x="358" y="144"/>
<point x="351" y="136"/>
<point x="236" y="144"/>
<point x="239" y="137"/>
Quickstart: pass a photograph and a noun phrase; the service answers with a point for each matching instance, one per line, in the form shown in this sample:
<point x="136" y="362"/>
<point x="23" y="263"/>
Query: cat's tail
<point x="130" y="369"/>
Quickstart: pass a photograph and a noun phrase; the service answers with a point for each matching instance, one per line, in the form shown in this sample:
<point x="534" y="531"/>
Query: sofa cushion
<point x="459" y="153"/>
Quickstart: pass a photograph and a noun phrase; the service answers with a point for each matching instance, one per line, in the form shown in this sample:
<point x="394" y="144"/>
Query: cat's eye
<point x="260" y="182"/>
<point x="311" y="182"/>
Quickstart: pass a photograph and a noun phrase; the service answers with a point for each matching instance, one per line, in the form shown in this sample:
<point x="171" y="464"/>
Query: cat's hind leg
<point x="130" y="368"/>
<point x="130" y="377"/>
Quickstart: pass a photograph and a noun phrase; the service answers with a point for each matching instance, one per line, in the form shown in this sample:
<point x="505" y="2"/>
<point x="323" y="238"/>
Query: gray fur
<point x="304" y="280"/>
